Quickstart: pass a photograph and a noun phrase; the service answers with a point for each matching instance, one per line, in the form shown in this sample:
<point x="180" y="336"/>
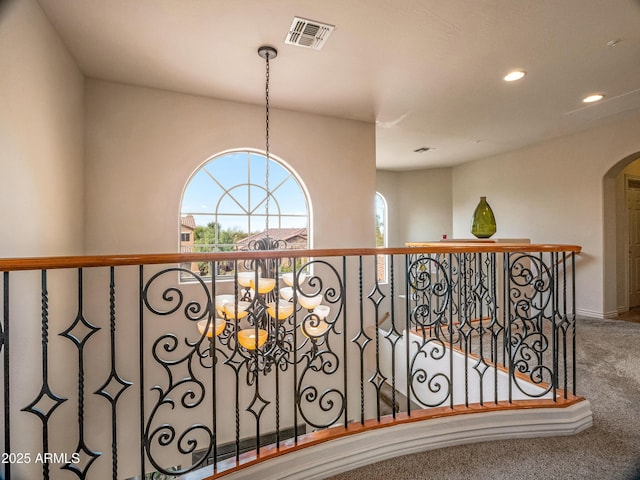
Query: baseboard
<point x="596" y="314"/>
<point x="343" y="454"/>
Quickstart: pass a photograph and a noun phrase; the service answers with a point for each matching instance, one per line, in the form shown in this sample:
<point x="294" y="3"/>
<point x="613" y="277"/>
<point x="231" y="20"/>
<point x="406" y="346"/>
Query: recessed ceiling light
<point x="515" y="75"/>
<point x="593" y="98"/>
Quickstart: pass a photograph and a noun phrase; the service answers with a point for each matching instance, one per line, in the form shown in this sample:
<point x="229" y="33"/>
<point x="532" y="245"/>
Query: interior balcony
<point x="282" y="363"/>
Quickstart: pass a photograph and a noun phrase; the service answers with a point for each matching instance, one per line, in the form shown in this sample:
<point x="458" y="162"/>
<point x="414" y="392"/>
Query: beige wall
<point x="41" y="196"/>
<point x="41" y="209"/>
<point x="553" y="193"/>
<point x="142" y="145"/>
<point x="419" y="204"/>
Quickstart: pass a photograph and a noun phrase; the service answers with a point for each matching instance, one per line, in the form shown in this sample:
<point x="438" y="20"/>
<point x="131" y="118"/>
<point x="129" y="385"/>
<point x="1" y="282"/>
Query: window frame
<point x="385" y="233"/>
<point x="277" y="210"/>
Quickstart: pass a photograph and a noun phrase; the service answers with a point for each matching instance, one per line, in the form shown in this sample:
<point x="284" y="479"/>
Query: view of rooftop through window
<point x="227" y="201"/>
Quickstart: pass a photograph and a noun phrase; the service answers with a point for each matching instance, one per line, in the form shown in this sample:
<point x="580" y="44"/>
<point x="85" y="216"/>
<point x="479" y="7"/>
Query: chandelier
<point x="260" y="316"/>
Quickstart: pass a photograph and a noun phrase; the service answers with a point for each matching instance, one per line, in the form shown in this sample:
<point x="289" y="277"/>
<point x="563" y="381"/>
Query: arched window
<point x="381" y="220"/>
<point x="381" y="235"/>
<point x="232" y="198"/>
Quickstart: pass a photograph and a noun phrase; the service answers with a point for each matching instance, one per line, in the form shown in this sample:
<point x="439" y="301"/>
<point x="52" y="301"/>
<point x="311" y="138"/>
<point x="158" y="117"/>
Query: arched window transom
<point x="227" y="201"/>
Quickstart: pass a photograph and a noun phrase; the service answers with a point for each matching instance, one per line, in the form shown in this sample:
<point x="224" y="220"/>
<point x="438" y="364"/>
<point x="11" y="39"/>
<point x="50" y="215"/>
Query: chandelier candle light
<point x="203" y="325"/>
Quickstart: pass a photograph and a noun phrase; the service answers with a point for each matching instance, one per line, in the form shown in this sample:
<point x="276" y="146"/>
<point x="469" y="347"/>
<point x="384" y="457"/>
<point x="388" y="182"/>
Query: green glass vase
<point x="483" y="223"/>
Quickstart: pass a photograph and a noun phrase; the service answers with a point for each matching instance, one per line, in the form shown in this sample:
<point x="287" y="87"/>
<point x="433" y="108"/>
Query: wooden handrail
<point x="87" y="261"/>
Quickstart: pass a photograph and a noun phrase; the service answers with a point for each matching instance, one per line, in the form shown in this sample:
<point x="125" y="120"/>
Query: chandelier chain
<point x="267" y="145"/>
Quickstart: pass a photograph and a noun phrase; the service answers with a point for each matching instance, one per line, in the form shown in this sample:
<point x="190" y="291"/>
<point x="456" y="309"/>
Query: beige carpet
<point x="608" y="357"/>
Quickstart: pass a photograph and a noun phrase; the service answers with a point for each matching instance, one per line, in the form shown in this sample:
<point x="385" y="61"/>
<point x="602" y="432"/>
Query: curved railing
<point x="123" y="365"/>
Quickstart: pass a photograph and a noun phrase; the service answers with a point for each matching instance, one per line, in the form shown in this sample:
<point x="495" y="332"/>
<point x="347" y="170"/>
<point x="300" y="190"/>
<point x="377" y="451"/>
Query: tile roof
<point x="188" y="222"/>
<point x="285" y="234"/>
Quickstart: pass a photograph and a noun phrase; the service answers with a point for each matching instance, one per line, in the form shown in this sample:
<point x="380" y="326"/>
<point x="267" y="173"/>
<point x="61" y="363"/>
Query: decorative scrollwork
<point x="429" y="390"/>
<point x="319" y="362"/>
<point x="531" y="286"/>
<point x="528" y="353"/>
<point x="331" y="403"/>
<point x="173" y="296"/>
<point x="188" y="442"/>
<point x="431" y="292"/>
<point x="175" y="356"/>
<point x="264" y="244"/>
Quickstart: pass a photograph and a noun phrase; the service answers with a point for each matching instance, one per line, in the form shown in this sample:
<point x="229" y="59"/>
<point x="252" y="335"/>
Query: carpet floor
<point x="608" y="369"/>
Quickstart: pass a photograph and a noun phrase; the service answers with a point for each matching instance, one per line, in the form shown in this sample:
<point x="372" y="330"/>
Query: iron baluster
<point x="278" y="357"/>
<point x="362" y="339"/>
<point x="344" y="341"/>
<point x="143" y="440"/>
<point x="114" y="378"/>
<point x="465" y="322"/>
<point x="494" y="322"/>
<point x="7" y="372"/>
<point x="214" y="364"/>
<point x="508" y="318"/>
<point x="565" y="318"/>
<point x="296" y="389"/>
<point x="450" y="331"/>
<point x="81" y="322"/>
<point x="541" y="313"/>
<point x="554" y="327"/>
<point x="237" y="371"/>
<point x="45" y="390"/>
<point x="573" y="318"/>
<point x="376" y="296"/>
<point x="480" y="302"/>
<point x="407" y="262"/>
<point x="393" y="334"/>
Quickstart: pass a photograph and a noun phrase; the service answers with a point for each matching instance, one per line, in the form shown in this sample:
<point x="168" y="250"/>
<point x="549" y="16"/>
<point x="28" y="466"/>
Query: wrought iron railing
<point x="115" y="368"/>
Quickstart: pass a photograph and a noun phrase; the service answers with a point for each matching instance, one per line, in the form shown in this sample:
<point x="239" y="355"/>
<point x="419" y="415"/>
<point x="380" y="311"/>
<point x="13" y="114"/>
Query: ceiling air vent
<point x="308" y="33"/>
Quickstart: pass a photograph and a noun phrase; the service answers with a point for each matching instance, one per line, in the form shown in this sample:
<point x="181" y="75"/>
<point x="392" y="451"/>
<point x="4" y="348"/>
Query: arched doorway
<point x="616" y="243"/>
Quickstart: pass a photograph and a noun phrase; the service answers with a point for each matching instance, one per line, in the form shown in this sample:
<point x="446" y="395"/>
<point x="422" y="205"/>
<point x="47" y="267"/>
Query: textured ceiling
<point x="428" y="72"/>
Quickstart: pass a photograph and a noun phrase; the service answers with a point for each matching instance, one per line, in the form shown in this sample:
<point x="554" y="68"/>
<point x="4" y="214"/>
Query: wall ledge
<point x="346" y="453"/>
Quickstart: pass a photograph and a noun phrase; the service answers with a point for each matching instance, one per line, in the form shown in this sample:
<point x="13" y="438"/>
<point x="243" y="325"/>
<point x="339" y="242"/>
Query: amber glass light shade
<point x="220" y="323"/>
<point x="309" y="302"/>
<point x="247" y="338"/>
<point x="229" y="309"/>
<point x="286" y="293"/>
<point x="288" y="278"/>
<point x="265" y="285"/>
<point x="245" y="278"/>
<point x="285" y="309"/>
